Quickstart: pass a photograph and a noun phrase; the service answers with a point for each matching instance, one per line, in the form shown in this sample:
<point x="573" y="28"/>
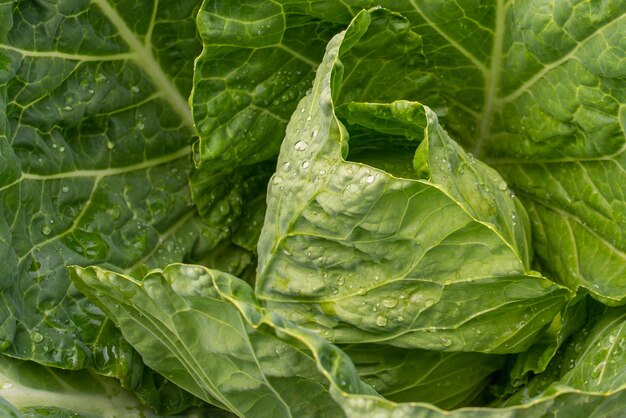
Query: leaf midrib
<point x="492" y="79"/>
<point x="143" y="57"/>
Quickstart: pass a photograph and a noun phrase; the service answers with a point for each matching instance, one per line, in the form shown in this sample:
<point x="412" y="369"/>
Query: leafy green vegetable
<point x="247" y="370"/>
<point x="407" y="208"/>
<point x="364" y="256"/>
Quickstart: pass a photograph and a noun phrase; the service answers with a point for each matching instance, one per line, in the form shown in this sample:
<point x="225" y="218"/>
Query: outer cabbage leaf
<point x="536" y="88"/>
<point x="185" y="326"/>
<point x="360" y="255"/>
<point x="94" y="161"/>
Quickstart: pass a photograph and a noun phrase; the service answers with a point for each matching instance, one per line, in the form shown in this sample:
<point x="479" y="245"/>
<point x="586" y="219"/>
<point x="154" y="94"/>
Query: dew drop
<point x="287" y="166"/>
<point x="135" y="89"/>
<point x="381" y="321"/>
<point x="110" y="145"/>
<point x="502" y="185"/>
<point x="446" y="342"/>
<point x="389" y="302"/>
<point x="370" y="179"/>
<point x="301" y="146"/>
<point x="46" y="230"/>
<point x="114" y="212"/>
<point x="36" y="337"/>
<point x="341" y="281"/>
<point x="140" y="126"/>
<point x="67" y="108"/>
<point x="277" y="180"/>
<point x="305" y="164"/>
<point x="7" y="385"/>
<point x="597" y="371"/>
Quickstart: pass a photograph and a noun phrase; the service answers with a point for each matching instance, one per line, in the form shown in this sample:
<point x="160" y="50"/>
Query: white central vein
<point x="109" y="171"/>
<point x="492" y="79"/>
<point x="144" y="58"/>
<point x="67" y="56"/>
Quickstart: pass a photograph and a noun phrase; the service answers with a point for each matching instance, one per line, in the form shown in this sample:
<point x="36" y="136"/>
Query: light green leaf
<point x="95" y="134"/>
<point x="446" y="380"/>
<point x="359" y="255"/>
<point x="233" y="363"/>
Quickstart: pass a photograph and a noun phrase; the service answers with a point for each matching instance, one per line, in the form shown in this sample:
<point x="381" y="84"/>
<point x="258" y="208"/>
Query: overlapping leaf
<point x="233" y="363"/>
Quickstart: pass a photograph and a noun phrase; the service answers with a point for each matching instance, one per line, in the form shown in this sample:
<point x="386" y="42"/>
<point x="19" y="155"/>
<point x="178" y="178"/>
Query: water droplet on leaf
<point x="446" y="342"/>
<point x="300" y="146"/>
<point x="36" y="337"/>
